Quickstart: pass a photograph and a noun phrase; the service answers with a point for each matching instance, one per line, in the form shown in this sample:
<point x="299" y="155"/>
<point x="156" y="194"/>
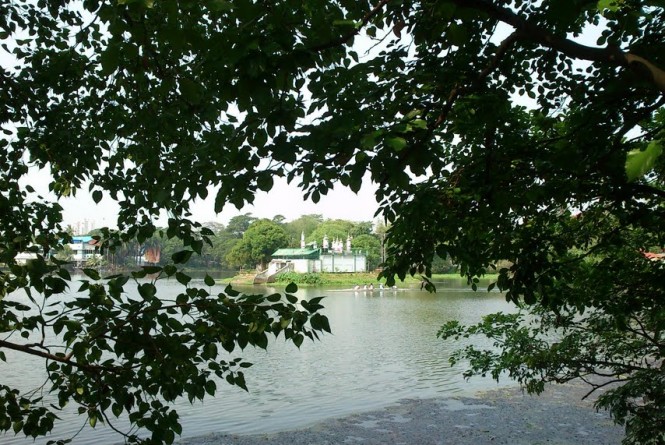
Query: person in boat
<point x="356" y="287"/>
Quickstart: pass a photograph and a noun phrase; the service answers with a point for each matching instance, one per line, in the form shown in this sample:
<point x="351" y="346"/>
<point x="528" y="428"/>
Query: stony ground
<point x="506" y="416"/>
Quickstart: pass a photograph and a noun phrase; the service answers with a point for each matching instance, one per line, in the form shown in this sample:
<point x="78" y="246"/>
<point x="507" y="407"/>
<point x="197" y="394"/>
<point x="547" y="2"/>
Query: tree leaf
<point x="264" y="181"/>
<point x="611" y="5"/>
<point x="92" y="273"/>
<point x="191" y="90"/>
<point x="181" y="256"/>
<point x="396" y="143"/>
<point x="183" y="278"/>
<point x="147" y="290"/>
<point x="110" y="58"/>
<point x="640" y="162"/>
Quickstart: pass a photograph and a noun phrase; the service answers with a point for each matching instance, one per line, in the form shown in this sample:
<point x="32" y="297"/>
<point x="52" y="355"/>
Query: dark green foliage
<point x="261" y="239"/>
<point x="370" y="245"/>
<point x="156" y="103"/>
<point x="127" y="357"/>
<point x="305" y="224"/>
<point x="601" y="321"/>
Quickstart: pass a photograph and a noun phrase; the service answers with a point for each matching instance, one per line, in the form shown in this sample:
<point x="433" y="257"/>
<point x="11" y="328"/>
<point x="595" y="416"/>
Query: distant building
<point x="654" y="256"/>
<point x="83" y="227"/>
<point x="301" y="260"/>
<point x="83" y="249"/>
<point x="331" y="258"/>
<point x="152" y="255"/>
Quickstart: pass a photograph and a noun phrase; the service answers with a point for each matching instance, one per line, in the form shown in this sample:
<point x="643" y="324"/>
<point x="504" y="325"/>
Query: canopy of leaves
<point x="302" y="225"/>
<point x="371" y="247"/>
<point x="239" y="224"/>
<point x="261" y="239"/>
<point x="494" y="130"/>
<point x="332" y="229"/>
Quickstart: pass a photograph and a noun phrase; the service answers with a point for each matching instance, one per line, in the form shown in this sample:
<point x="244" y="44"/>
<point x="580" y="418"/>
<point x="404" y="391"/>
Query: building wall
<point x="343" y="263"/>
<point x="297" y="265"/>
<point x="302" y="266"/>
<point x="82" y="250"/>
<point x="326" y="263"/>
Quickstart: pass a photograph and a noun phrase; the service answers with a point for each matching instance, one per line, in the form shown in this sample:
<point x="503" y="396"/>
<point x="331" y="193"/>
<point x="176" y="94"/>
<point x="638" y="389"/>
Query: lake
<point x="383" y="348"/>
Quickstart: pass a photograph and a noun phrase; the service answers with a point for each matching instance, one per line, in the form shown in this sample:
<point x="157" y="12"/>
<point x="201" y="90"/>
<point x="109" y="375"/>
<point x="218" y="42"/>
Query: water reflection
<point x="383" y="348"/>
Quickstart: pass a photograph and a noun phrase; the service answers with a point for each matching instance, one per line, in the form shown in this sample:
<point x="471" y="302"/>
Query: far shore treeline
<point x="247" y="243"/>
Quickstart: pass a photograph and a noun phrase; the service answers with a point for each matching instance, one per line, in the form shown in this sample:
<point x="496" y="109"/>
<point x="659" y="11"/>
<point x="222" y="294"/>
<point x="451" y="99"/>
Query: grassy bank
<point x="339" y="279"/>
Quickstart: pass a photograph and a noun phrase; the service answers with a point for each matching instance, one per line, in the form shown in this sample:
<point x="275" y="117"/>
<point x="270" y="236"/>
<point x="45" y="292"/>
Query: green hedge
<point x="301" y="278"/>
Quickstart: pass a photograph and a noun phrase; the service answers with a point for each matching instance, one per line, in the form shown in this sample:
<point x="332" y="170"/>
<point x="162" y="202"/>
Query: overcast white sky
<point x="283" y="199"/>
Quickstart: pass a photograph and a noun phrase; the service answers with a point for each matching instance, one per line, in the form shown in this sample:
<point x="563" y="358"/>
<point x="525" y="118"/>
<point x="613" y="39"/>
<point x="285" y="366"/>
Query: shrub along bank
<point x="340" y="279"/>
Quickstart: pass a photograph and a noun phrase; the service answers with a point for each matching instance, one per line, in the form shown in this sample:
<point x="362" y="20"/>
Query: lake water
<point x="383" y="348"/>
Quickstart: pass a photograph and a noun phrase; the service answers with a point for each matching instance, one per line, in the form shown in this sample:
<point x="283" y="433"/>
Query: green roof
<point x="310" y="254"/>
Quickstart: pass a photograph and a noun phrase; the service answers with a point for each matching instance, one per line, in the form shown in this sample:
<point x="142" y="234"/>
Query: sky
<point x="283" y="199"/>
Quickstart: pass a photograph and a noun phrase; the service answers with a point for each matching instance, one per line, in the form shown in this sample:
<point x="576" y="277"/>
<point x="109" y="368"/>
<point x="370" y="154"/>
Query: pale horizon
<point x="284" y="199"/>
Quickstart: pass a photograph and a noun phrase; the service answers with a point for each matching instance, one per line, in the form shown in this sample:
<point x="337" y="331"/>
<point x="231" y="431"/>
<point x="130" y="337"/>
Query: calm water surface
<point x="383" y="348"/>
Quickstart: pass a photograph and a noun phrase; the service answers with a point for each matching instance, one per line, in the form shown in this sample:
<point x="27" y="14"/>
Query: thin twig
<point x="596" y="386"/>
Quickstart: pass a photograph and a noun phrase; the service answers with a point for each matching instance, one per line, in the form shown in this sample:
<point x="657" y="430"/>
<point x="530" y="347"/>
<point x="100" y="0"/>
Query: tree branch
<point x="49" y="356"/>
<point x="533" y="32"/>
<point x="596" y="386"/>
<point x="644" y="189"/>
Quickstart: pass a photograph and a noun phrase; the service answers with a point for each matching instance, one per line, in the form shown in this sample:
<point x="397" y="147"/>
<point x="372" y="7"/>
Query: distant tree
<point x="361" y="228"/>
<point x="169" y="248"/>
<point x="64" y="253"/>
<point x="279" y="219"/>
<point x="239" y="224"/>
<point x="240" y="256"/>
<point x="223" y="243"/>
<point x="258" y="243"/>
<point x="95" y="232"/>
<point x="381" y="230"/>
<point x="96" y="261"/>
<point x="371" y="246"/>
<point x="214" y="226"/>
<point x="126" y="254"/>
<point x="305" y="224"/>
<point x="443" y="265"/>
<point x="332" y="228"/>
<point x="211" y="255"/>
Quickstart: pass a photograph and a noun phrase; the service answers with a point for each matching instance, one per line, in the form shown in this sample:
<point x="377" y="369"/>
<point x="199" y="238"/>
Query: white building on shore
<point x="333" y="257"/>
<point x="84" y="248"/>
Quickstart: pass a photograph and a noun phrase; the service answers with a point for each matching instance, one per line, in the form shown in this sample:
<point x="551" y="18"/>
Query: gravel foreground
<point x="505" y="416"/>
